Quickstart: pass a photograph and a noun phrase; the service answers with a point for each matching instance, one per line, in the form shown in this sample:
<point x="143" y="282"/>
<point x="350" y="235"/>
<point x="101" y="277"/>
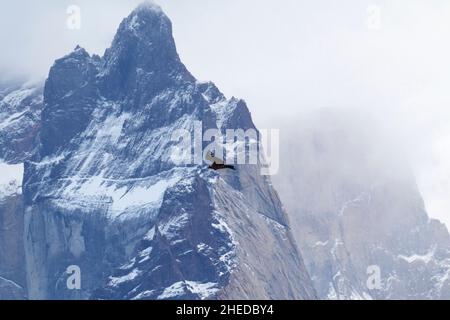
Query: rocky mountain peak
<point x="143" y="41"/>
<point x="103" y="193"/>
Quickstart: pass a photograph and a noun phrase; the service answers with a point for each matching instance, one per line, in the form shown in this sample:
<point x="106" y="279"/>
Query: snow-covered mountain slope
<point x="103" y="192"/>
<point x="12" y="271"/>
<point x="20" y="107"/>
<point x="357" y="213"/>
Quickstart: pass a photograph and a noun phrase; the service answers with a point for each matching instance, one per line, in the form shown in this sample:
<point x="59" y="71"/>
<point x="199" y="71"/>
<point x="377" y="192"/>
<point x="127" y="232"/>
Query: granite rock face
<point x="20" y="108"/>
<point x="357" y="213"/>
<point x="12" y="259"/>
<point x="20" y="111"/>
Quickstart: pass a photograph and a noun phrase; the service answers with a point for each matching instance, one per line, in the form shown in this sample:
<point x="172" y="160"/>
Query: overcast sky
<point x="284" y="57"/>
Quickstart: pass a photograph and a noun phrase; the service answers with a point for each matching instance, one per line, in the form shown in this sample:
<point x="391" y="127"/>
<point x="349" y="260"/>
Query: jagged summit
<point x="143" y="47"/>
<point x="144" y="50"/>
<point x="148" y="6"/>
<point x="78" y="53"/>
<point x="145" y="15"/>
<point x="147" y="28"/>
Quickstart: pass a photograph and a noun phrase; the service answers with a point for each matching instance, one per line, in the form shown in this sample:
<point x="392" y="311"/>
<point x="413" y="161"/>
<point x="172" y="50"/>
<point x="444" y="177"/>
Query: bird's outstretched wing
<point x="216" y="166"/>
<point x="216" y="163"/>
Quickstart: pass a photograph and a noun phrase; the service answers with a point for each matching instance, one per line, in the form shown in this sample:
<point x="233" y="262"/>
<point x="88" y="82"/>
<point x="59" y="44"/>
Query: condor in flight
<point x="217" y="164"/>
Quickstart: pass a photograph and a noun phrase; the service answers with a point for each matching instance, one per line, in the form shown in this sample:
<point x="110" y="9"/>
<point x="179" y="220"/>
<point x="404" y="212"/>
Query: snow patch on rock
<point x="11" y="176"/>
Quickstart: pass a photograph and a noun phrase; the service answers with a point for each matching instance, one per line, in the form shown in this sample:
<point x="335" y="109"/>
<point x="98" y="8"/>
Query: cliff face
<point x="12" y="260"/>
<point x="20" y="107"/>
<point x="357" y="213"/>
<point x="103" y="193"/>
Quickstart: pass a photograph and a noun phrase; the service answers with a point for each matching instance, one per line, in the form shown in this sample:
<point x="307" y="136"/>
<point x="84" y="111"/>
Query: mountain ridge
<point x="103" y="193"/>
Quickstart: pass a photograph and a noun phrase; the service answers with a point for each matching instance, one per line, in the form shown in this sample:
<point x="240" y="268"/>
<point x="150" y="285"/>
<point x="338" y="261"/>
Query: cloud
<point x="284" y="57"/>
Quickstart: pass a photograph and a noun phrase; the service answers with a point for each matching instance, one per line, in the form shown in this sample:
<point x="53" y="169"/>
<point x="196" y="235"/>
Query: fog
<point x="386" y="59"/>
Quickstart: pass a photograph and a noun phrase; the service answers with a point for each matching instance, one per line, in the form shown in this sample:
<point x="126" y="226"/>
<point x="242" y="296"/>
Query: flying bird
<point x="217" y="164"/>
